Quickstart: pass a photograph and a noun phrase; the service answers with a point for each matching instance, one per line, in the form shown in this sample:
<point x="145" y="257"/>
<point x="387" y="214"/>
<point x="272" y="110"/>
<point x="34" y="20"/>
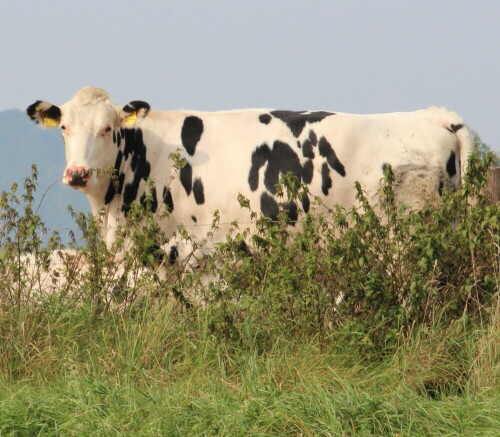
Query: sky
<point x="346" y="56"/>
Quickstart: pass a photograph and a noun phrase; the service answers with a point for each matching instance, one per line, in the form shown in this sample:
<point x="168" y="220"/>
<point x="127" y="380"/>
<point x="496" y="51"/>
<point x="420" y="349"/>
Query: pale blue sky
<point x="346" y="56"/>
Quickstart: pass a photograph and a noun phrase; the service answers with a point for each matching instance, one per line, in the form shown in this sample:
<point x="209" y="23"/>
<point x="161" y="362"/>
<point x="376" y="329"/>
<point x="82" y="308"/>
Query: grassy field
<point x="355" y="326"/>
<point x="156" y="374"/>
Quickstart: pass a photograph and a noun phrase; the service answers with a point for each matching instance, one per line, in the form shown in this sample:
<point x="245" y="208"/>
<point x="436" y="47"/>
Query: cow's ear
<point x="133" y="110"/>
<point x="44" y="113"/>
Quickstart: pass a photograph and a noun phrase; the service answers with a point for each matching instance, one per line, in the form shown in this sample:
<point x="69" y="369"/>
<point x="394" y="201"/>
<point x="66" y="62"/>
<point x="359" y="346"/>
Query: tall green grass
<point x="155" y="376"/>
<point x="152" y="374"/>
<point x="353" y="326"/>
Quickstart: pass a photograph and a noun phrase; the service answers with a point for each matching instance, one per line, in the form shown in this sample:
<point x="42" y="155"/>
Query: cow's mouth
<point x="77" y="177"/>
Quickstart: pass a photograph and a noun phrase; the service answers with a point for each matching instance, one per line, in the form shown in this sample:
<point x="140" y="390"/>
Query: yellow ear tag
<point x="130" y="119"/>
<point x="49" y="122"/>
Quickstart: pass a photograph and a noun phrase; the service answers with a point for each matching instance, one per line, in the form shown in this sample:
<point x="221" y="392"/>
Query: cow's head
<point x="89" y="123"/>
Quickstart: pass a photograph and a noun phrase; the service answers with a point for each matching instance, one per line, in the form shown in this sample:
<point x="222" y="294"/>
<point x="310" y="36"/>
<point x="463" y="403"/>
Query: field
<point x="352" y="326"/>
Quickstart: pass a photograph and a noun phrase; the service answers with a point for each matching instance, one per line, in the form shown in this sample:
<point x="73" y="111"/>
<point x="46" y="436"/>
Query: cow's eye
<point x="108" y="129"/>
<point x="63" y="127"/>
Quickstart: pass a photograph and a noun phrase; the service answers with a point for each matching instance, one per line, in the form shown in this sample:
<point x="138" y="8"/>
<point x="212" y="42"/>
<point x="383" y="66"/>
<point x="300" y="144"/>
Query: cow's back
<point x="246" y="152"/>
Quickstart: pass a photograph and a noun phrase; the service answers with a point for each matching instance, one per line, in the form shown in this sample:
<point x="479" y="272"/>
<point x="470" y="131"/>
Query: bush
<point x="365" y="277"/>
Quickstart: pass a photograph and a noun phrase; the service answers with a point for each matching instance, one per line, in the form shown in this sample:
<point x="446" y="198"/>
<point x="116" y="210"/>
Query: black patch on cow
<point x="173" y="255"/>
<point x="451" y="166"/>
<point x="51" y="112"/>
<point x="244" y="249"/>
<point x="157" y="253"/>
<point x="167" y="199"/>
<point x="291" y="212"/>
<point x="129" y="195"/>
<point x="118" y="161"/>
<point x="31" y="111"/>
<point x="455" y="127"/>
<point x="440" y="188"/>
<point x="133" y="141"/>
<point x="114" y="185"/>
<point x="191" y="133"/>
<point x="296" y="120"/>
<point x="142" y="200"/>
<point x="317" y="116"/>
<point x="152" y="204"/>
<point x="151" y="250"/>
<point x="259" y="157"/>
<point x="137" y="105"/>
<point x="313" y="138"/>
<point x="326" y="180"/>
<point x="198" y="192"/>
<point x="281" y="160"/>
<point x="195" y="220"/>
<point x="326" y="150"/>
<point x="118" y="139"/>
<point x="141" y="168"/>
<point x="121" y="182"/>
<point x="122" y="134"/>
<point x="186" y="177"/>
<point x="306" y="203"/>
<point x="114" y="137"/>
<point x="265" y="118"/>
<point x="269" y="206"/>
<point x="112" y="190"/>
<point x="307" y="149"/>
<point x="307" y="172"/>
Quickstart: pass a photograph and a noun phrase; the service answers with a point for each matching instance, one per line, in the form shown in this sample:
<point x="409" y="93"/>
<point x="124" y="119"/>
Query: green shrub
<point x="364" y="277"/>
<point x="369" y="274"/>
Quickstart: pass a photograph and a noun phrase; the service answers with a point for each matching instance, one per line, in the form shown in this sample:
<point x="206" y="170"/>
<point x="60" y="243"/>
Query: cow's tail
<point x="454" y="124"/>
<point x="465" y="148"/>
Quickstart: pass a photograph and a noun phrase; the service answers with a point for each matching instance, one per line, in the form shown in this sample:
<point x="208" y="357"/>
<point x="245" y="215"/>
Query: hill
<point x="22" y="144"/>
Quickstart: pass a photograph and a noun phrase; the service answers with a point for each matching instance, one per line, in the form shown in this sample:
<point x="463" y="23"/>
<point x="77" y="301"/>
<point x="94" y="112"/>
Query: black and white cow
<point x="246" y="151"/>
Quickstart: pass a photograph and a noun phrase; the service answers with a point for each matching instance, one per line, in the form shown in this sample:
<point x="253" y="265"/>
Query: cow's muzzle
<point x="77" y="176"/>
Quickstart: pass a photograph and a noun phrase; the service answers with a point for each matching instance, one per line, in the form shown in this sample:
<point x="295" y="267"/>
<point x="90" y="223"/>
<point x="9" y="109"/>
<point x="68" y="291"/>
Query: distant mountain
<point x="22" y="144"/>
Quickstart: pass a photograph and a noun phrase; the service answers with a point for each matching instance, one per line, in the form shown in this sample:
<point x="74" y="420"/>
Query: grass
<point x="153" y="374"/>
<point x="355" y="327"/>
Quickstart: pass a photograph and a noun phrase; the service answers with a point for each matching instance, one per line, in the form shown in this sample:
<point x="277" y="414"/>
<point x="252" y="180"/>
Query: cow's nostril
<point x="77" y="180"/>
<point x="78" y="177"/>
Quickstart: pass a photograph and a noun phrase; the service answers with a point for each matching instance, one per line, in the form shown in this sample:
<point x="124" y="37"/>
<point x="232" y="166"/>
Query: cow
<point x="228" y="153"/>
<point x="54" y="272"/>
<point x="65" y="270"/>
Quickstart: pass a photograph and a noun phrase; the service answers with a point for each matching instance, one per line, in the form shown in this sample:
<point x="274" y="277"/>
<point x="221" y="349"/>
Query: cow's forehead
<point x="90" y="95"/>
<point x="90" y="107"/>
<point x="96" y="114"/>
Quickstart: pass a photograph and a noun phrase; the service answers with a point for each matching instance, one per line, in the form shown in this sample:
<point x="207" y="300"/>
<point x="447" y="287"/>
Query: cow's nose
<point x="77" y="176"/>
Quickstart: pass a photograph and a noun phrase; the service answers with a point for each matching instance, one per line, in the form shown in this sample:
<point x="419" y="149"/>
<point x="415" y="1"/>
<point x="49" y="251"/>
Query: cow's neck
<point x="137" y="151"/>
<point x="97" y="204"/>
